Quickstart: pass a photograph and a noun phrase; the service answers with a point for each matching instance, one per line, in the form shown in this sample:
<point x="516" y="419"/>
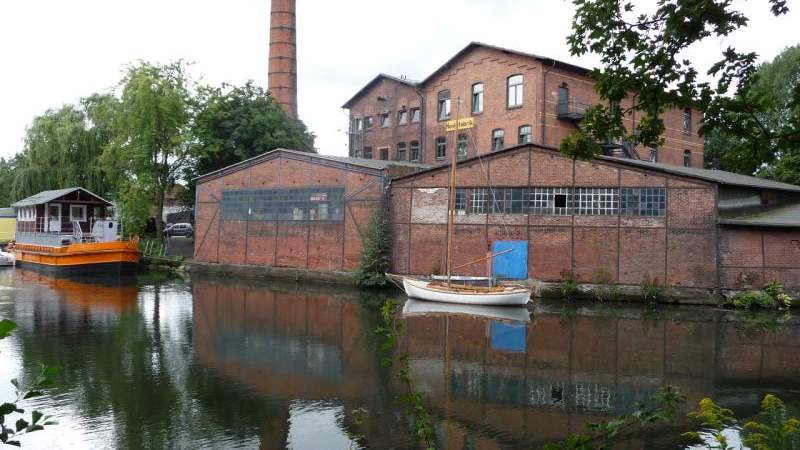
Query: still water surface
<point x="220" y="363"/>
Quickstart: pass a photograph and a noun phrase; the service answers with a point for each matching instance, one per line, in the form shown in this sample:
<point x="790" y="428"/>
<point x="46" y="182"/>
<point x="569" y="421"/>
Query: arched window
<point x="525" y="134"/>
<point x="497" y="139"/>
<point x="687" y="121"/>
<point x="653" y="154"/>
<point x="414" y="150"/>
<point x="687" y="158"/>
<point x="514" y="91"/>
<point x="441" y="147"/>
<point x="461" y="146"/>
<point x="477" y="98"/>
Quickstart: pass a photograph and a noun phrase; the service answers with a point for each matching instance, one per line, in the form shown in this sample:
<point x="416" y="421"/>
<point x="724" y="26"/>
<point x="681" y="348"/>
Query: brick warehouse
<point x="289" y="209"/>
<point x="513" y="98"/>
<point x="685" y="227"/>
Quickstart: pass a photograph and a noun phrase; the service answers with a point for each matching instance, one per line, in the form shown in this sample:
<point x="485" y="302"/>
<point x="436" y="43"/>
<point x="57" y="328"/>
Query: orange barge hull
<point x="90" y="258"/>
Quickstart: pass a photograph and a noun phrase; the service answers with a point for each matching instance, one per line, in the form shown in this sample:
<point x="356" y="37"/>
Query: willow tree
<point x="151" y="131"/>
<point x="61" y="150"/>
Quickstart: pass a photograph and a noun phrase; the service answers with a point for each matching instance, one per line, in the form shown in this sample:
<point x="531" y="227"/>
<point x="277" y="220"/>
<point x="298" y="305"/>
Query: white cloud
<point x="55" y="52"/>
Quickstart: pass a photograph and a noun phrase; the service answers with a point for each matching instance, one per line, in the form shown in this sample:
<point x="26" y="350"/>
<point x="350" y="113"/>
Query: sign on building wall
<point x="460" y="124"/>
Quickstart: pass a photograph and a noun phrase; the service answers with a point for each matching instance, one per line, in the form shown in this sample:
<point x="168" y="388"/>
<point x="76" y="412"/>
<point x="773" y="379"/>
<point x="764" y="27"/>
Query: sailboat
<point x="451" y="288"/>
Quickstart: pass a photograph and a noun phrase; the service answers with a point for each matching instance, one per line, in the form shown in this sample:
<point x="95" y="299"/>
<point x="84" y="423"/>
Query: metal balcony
<point x="572" y="109"/>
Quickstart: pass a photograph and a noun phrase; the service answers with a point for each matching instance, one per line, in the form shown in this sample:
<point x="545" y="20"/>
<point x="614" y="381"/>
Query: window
<point x="556" y="201"/>
<point x="384" y="153"/>
<point x="77" y="212"/>
<point x="383" y="120"/>
<point x="461" y="146"/>
<point x="368" y="122"/>
<point x="687" y="121"/>
<point x="402" y="117"/>
<point x="358" y="124"/>
<point x="284" y="204"/>
<point x="460" y="207"/>
<point x="401" y="151"/>
<point x="653" y="154"/>
<point x="444" y="105"/>
<point x="509" y="201"/>
<point x="643" y="201"/>
<point x="497" y="139"/>
<point x="367" y="152"/>
<point x="514" y="91"/>
<point x="477" y="98"/>
<point x="597" y="201"/>
<point x="441" y="147"/>
<point x="687" y="158"/>
<point x="525" y="134"/>
<point x="415" y="115"/>
<point x="414" y="149"/>
<point x="477" y="201"/>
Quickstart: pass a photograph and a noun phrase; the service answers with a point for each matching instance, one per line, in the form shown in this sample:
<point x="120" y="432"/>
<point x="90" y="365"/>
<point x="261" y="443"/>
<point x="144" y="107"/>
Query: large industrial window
<point x="441" y="147"/>
<point x="525" y="134"/>
<point x="284" y="204"/>
<point x="555" y="201"/>
<point x="643" y="201"/>
<point x="415" y="115"/>
<point x="597" y="201"/>
<point x="460" y="202"/>
<point x="509" y="201"/>
<point x="477" y="98"/>
<point x="414" y="149"/>
<point x="401" y="151"/>
<point x="462" y="146"/>
<point x="514" y="91"/>
<point x="444" y="105"/>
<point x="477" y="201"/>
<point x="498" y="137"/>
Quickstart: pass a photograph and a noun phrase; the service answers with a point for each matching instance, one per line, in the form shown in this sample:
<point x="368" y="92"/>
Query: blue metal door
<point x="512" y="262"/>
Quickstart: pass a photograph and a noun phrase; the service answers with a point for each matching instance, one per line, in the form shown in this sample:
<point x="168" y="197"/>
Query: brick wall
<point x="320" y="245"/>
<point x="492" y="67"/>
<point x="679" y="248"/>
<point x="751" y="257"/>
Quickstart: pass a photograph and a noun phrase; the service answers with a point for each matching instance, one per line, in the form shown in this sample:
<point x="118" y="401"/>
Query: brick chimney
<point x="283" y="56"/>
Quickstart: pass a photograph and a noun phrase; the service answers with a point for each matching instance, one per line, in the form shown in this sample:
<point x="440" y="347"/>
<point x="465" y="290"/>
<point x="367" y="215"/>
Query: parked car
<point x="179" y="229"/>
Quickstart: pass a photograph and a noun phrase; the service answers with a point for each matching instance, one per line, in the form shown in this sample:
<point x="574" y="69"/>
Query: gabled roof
<point x="474" y="45"/>
<point x="48" y="196"/>
<point x="714" y="176"/>
<point x="375" y="164"/>
<point x="785" y="216"/>
<point x="368" y="86"/>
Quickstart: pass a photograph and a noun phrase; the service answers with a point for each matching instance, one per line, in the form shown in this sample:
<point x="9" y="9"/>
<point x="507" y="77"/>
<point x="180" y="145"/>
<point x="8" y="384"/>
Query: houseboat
<point x="71" y="231"/>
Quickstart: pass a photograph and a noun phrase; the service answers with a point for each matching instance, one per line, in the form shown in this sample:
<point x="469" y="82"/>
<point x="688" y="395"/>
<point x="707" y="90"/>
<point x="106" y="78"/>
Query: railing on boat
<point x="44" y="232"/>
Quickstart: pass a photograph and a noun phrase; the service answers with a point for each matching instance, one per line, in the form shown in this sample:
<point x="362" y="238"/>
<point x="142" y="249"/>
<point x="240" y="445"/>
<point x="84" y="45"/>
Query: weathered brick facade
<point x="545" y="83"/>
<point x="683" y="248"/>
<point x="310" y="244"/>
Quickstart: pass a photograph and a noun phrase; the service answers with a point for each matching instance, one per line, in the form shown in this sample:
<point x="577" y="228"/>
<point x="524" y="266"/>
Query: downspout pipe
<point x="421" y="124"/>
<point x="544" y="101"/>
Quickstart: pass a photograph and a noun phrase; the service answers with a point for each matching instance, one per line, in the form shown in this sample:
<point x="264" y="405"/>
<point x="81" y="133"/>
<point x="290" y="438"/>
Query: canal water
<point x="220" y="363"/>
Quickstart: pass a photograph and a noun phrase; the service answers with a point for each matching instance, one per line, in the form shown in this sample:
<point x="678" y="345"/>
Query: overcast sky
<point x="57" y="51"/>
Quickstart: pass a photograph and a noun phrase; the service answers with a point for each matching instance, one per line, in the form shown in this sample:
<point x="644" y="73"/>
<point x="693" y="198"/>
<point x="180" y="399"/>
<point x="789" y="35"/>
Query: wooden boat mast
<point x="452" y="203"/>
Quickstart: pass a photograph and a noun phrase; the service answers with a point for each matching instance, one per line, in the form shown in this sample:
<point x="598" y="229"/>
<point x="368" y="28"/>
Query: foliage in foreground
<point x="773" y="296"/>
<point x="663" y="408"/>
<point x="374" y="264"/>
<point x="10" y="434"/>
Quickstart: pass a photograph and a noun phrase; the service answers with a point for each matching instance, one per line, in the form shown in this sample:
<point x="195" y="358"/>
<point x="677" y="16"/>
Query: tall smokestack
<point x="283" y="56"/>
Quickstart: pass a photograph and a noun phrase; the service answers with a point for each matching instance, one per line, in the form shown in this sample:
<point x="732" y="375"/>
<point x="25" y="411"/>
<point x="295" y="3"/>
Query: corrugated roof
<point x="47" y="196"/>
<point x="716" y="176"/>
<point x="376" y="164"/>
<point x="786" y="216"/>
<point x="379" y="77"/>
<point x="7" y="212"/>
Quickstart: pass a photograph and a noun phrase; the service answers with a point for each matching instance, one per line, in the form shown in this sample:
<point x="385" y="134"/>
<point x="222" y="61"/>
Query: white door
<point x="54" y="218"/>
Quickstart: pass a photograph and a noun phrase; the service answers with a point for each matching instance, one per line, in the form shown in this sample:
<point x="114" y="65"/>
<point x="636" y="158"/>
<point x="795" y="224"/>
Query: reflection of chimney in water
<point x="283" y="56"/>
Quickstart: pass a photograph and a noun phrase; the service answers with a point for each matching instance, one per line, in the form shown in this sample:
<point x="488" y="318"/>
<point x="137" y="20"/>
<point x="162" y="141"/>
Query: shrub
<point x="569" y="287"/>
<point x="650" y="289"/>
<point x="775" y="290"/>
<point x="750" y="299"/>
<point x="374" y="262"/>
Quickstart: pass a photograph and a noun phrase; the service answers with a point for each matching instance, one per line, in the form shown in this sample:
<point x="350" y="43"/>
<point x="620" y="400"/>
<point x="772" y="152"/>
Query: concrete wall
<point x="320" y="245"/>
<point x="679" y="248"/>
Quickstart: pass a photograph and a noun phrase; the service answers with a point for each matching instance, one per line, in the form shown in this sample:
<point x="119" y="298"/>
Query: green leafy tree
<point x="61" y="150"/>
<point x="643" y="53"/>
<point x="150" y="128"/>
<point x="7" y="167"/>
<point x="374" y="262"/>
<point x="235" y="123"/>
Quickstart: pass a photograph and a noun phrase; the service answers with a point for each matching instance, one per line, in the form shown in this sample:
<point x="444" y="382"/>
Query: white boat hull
<point x="420" y="308"/>
<point x="419" y="289"/>
<point x="6" y="259"/>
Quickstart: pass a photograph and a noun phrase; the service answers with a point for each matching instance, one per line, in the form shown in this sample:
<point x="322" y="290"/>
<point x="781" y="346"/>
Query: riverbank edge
<point x="542" y="289"/>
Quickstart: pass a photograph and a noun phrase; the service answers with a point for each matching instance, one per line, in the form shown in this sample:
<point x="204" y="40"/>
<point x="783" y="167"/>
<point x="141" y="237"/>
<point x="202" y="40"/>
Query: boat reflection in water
<point x="219" y="363"/>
